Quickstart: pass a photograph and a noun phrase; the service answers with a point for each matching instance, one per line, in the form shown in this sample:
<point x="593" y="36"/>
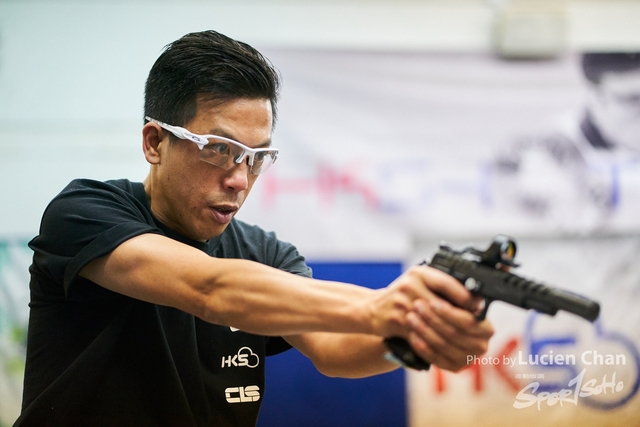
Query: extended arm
<point x="244" y="294"/>
<point x="440" y="332"/>
<point x="264" y="300"/>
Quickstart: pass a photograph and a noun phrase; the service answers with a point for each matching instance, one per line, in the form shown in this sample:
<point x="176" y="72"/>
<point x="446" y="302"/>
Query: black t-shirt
<point x="99" y="358"/>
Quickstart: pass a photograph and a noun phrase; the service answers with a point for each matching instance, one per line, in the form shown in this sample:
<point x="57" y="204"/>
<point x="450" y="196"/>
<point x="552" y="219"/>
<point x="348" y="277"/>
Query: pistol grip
<point x="402" y="354"/>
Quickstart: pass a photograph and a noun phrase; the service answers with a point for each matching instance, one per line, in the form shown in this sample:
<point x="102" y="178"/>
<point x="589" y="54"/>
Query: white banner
<point x="379" y="148"/>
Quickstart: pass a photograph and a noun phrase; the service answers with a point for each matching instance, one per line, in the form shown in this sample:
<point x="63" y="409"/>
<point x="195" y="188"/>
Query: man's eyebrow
<point x="225" y="134"/>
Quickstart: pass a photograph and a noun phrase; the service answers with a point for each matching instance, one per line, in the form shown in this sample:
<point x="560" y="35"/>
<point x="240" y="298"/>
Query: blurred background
<point x="402" y="123"/>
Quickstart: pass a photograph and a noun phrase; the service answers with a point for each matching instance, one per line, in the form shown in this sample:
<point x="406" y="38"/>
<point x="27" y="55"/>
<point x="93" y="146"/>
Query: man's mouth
<point x="223" y="214"/>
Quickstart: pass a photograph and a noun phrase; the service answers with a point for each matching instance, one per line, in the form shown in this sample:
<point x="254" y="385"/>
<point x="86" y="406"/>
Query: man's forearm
<point x="268" y="301"/>
<point x="344" y="355"/>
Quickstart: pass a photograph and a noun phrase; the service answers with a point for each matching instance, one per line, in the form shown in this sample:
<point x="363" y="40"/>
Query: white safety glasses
<point x="224" y="152"/>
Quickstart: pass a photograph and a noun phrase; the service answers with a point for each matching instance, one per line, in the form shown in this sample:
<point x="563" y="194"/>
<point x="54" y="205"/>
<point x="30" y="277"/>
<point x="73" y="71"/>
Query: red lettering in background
<point x="502" y="369"/>
<point x="474" y="370"/>
<point x="326" y="183"/>
<point x="479" y="370"/>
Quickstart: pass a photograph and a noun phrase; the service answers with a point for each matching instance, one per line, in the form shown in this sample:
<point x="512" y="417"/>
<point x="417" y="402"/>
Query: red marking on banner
<point x="502" y="370"/>
<point x="327" y="183"/>
<point x="438" y="377"/>
<point x="478" y="371"/>
<point x="476" y="375"/>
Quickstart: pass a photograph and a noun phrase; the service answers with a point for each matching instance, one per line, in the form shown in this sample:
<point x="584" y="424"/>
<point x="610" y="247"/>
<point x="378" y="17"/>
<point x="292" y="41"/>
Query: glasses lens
<point x="226" y="155"/>
<point x="262" y="160"/>
<point x="220" y="153"/>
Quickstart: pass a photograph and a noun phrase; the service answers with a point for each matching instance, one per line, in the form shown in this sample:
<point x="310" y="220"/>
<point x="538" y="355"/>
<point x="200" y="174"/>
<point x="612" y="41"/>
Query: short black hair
<point x="596" y="64"/>
<point x="206" y="65"/>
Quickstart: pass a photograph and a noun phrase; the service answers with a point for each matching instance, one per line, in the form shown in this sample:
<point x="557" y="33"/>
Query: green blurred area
<point x="15" y="257"/>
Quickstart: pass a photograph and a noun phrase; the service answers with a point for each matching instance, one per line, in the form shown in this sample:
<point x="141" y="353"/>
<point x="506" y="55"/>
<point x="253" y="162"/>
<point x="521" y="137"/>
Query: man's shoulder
<point x="91" y="200"/>
<point x="86" y="184"/>
<point x="89" y="192"/>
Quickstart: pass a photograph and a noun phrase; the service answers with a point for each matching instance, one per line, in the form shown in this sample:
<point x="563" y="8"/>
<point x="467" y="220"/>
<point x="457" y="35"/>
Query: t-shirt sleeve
<point x="286" y="257"/>
<point x="87" y="220"/>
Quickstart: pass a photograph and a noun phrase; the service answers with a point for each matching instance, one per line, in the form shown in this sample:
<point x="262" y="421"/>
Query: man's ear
<point x="152" y="136"/>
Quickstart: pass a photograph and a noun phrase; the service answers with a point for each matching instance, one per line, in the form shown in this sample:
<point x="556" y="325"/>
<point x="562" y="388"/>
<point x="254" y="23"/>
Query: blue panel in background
<point x="297" y="395"/>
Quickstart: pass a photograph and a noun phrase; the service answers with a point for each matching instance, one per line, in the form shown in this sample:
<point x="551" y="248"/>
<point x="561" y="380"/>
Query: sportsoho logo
<point x="245" y="357"/>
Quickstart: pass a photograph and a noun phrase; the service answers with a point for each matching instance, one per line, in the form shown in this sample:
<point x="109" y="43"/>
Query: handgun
<point x="485" y="273"/>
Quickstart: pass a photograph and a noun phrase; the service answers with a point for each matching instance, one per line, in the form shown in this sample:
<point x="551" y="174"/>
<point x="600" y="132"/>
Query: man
<point x="152" y="305"/>
<point x="583" y="175"/>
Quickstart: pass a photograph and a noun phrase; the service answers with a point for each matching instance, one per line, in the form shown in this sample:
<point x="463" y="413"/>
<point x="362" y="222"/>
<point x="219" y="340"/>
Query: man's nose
<point x="237" y="178"/>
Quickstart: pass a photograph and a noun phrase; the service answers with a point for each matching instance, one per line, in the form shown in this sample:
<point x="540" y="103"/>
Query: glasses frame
<point x="202" y="140"/>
